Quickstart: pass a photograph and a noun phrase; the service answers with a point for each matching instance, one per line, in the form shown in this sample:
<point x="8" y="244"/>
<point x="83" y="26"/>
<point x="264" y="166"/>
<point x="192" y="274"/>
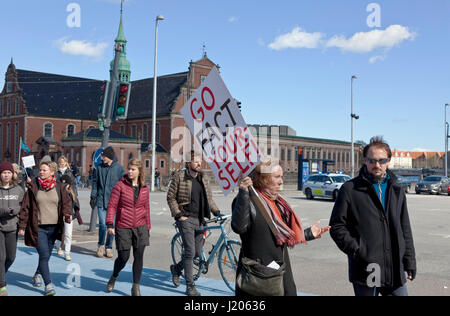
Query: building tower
<point x="123" y="73"/>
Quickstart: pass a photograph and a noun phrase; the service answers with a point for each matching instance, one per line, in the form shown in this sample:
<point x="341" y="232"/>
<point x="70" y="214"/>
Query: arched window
<point x="48" y="130"/>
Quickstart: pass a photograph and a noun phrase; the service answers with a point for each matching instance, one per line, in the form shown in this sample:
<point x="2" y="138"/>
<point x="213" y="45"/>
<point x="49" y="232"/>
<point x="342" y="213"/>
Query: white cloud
<point x="374" y="59"/>
<point x="364" y="42"/>
<point x="81" y="48"/>
<point x="361" y="42"/>
<point x="297" y="38"/>
<point x="232" y="19"/>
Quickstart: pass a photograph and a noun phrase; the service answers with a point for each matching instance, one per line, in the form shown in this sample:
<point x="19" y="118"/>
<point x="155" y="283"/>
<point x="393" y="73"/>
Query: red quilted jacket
<point x="121" y="206"/>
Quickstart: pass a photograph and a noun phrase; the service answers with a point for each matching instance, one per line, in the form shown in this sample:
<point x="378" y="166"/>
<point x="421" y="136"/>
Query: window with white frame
<point x="48" y="129"/>
<point x="70" y="130"/>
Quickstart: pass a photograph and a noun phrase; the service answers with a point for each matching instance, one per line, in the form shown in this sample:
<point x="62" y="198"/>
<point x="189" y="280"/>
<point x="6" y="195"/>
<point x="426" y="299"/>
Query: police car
<point x="324" y="185"/>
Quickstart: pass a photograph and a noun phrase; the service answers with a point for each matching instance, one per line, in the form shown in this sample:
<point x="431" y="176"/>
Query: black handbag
<point x="259" y="280"/>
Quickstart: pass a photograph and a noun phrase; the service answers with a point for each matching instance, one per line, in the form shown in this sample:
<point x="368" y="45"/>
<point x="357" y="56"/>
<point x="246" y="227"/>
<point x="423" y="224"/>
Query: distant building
<point x="401" y="159"/>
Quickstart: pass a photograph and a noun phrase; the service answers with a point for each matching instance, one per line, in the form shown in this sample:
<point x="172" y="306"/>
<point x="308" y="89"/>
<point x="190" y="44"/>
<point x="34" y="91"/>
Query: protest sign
<point x="215" y="121"/>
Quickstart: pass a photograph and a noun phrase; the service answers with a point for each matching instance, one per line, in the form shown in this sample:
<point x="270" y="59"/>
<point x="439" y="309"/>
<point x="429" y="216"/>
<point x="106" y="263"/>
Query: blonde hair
<point x="137" y="163"/>
<point x="51" y="164"/>
<point x="64" y="158"/>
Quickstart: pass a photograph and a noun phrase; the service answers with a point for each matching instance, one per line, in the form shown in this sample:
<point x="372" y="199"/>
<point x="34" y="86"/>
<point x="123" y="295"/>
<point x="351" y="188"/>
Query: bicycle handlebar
<point x="222" y="218"/>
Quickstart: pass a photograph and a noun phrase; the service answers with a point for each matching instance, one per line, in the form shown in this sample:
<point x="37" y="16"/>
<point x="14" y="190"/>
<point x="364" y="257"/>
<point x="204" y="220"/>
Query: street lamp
<point x="158" y="18"/>
<point x="446" y="141"/>
<point x="353" y="116"/>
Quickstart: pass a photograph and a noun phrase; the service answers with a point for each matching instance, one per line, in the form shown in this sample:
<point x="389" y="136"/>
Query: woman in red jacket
<point x="129" y="204"/>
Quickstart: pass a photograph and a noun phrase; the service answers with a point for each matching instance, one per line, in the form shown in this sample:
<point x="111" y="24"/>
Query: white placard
<point x="215" y="121"/>
<point x="28" y="161"/>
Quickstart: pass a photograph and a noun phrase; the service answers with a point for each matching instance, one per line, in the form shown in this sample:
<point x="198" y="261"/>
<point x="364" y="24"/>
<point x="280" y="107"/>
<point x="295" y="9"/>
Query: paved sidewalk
<point x="87" y="276"/>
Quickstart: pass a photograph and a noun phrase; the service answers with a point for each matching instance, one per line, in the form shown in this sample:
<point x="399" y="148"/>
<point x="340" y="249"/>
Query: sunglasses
<point x="373" y="161"/>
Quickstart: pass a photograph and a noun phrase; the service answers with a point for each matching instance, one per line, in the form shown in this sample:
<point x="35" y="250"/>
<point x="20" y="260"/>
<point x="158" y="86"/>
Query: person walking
<point x="108" y="173"/>
<point x="69" y="184"/>
<point x="65" y="171"/>
<point x="11" y="196"/>
<point x="45" y="208"/>
<point x="269" y="227"/>
<point x="190" y="202"/>
<point x="370" y="224"/>
<point x="129" y="205"/>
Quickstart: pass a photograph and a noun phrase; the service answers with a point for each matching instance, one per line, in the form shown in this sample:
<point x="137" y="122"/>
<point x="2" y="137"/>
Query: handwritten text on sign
<point x="219" y="129"/>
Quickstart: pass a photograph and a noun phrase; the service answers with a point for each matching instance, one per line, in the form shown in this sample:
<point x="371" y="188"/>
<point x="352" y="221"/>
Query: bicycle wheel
<point x="228" y="261"/>
<point x="177" y="251"/>
<point x="176" y="248"/>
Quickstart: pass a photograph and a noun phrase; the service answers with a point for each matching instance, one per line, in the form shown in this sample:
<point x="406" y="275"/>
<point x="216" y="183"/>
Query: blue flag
<point x="24" y="147"/>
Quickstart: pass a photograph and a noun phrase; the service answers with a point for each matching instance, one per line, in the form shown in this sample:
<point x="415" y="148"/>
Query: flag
<point x="24" y="147"/>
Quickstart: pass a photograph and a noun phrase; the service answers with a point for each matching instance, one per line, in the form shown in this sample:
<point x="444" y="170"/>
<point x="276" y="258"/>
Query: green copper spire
<point x="123" y="72"/>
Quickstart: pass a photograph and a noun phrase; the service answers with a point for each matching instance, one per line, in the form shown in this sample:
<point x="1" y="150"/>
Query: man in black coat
<point x="370" y="223"/>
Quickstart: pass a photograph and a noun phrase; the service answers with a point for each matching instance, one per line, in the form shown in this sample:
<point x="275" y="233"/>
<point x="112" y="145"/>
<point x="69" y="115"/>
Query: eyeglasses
<point x="373" y="161"/>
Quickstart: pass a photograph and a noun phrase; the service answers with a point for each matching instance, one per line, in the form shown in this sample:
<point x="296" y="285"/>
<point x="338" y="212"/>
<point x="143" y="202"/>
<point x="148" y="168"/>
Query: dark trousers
<point x="46" y="242"/>
<point x="191" y="231"/>
<point x="8" y="249"/>
<point x="362" y="290"/>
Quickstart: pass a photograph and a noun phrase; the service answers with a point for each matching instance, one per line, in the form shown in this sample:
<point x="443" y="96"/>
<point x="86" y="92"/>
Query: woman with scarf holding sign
<point x="45" y="208"/>
<point x="267" y="225"/>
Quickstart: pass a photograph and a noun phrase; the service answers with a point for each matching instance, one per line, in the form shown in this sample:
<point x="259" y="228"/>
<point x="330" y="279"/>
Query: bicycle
<point x="228" y="252"/>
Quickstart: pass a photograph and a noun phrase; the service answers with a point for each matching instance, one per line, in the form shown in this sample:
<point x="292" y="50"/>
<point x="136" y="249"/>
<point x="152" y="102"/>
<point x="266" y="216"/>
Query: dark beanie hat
<point x="108" y="152"/>
<point x="6" y="166"/>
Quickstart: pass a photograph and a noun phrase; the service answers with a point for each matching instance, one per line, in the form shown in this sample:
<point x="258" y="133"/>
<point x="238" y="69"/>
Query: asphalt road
<point x="319" y="267"/>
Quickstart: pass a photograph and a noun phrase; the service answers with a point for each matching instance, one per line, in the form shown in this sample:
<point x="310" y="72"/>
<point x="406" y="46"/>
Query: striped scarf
<point x="47" y="184"/>
<point x="290" y="234"/>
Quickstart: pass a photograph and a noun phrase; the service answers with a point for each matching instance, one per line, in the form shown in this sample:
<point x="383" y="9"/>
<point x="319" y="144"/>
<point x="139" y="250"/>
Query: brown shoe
<point x="135" y="290"/>
<point x="111" y="283"/>
<point x="109" y="253"/>
<point x="101" y="251"/>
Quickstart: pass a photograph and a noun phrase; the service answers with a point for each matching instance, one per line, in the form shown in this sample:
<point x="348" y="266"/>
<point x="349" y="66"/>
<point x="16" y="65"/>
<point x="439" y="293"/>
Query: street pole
<point x="109" y="104"/>
<point x="352" y="115"/>
<point x="158" y="18"/>
<point x="446" y="141"/>
<point x="107" y="121"/>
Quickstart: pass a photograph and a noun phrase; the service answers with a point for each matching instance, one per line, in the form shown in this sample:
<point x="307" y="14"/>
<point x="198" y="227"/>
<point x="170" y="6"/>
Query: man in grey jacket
<point x="11" y="196"/>
<point x="107" y="175"/>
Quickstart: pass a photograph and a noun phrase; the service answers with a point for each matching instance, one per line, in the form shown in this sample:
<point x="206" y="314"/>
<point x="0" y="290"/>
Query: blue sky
<point x="289" y="62"/>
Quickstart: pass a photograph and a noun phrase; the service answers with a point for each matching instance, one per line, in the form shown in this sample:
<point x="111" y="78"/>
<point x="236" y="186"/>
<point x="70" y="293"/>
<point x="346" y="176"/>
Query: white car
<point x="324" y="185"/>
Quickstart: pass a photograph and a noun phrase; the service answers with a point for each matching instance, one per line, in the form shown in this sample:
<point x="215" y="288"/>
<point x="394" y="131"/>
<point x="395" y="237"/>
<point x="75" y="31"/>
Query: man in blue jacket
<point x="370" y="223"/>
<point x="107" y="175"/>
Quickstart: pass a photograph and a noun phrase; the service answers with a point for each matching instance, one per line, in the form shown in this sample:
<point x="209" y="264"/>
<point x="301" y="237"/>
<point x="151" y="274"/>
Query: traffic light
<point x="122" y="100"/>
<point x="103" y="97"/>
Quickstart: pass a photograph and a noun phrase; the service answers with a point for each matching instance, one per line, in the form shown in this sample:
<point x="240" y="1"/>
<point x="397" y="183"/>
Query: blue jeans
<point x="361" y="290"/>
<point x="46" y="242"/>
<point x="102" y="231"/>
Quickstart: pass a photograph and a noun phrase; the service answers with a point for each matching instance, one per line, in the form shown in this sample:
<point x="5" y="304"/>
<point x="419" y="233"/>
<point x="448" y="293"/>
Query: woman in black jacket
<point x="259" y="241"/>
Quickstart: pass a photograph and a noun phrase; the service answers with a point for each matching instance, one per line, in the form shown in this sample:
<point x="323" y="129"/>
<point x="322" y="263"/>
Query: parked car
<point x="448" y="190"/>
<point x="324" y="185"/>
<point x="406" y="183"/>
<point x="433" y="185"/>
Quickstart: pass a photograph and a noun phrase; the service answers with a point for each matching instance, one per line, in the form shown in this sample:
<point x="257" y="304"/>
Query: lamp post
<point x="353" y="116"/>
<point x="158" y="18"/>
<point x="446" y="140"/>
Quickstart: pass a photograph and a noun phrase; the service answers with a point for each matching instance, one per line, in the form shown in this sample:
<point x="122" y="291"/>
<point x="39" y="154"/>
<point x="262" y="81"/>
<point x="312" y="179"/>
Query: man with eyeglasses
<point x="370" y="223"/>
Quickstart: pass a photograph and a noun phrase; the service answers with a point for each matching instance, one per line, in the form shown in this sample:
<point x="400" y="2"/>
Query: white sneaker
<point x="68" y="258"/>
<point x="60" y="252"/>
